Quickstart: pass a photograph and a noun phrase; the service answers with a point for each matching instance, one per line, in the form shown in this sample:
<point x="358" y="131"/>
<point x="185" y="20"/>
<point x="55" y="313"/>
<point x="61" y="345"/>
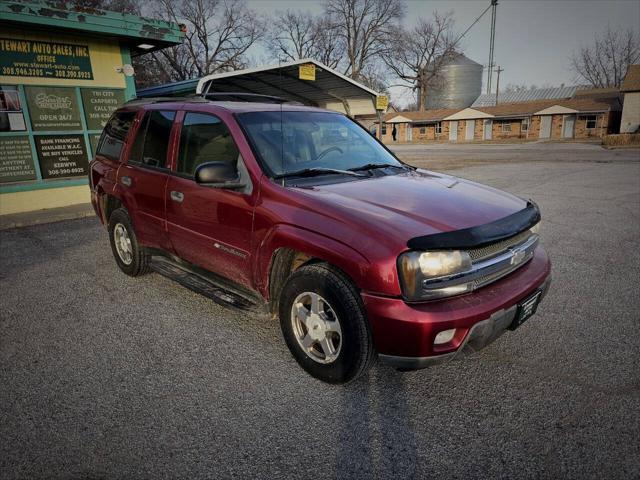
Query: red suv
<point x="301" y="211"/>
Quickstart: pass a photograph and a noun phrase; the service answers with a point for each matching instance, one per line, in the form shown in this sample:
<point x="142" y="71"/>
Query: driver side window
<point x="204" y="138"/>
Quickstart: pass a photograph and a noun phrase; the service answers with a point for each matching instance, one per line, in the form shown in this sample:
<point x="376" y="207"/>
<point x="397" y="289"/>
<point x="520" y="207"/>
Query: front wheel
<point x="324" y="324"/>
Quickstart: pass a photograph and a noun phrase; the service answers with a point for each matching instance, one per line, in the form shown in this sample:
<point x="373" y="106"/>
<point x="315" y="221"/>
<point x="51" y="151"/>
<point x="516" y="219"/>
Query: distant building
<point x="630" y="122"/>
<point x="458" y="85"/>
<point x="554" y="93"/>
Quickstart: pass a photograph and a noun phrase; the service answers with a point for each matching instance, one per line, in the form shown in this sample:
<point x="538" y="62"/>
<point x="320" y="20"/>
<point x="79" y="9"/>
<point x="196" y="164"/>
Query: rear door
<point x="144" y="177"/>
<point x="210" y="227"/>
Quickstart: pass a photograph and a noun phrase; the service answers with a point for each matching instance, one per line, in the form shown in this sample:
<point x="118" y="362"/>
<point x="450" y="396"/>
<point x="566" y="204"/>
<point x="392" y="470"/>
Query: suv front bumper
<point x="404" y="333"/>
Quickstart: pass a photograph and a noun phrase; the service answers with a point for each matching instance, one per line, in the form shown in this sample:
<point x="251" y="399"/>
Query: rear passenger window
<point x="204" y="138"/>
<point x="151" y="144"/>
<point x="112" y="139"/>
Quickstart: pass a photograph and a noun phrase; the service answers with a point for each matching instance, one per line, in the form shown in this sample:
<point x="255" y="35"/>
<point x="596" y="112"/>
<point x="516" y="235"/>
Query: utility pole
<point x="498" y="70"/>
<point x="494" y="7"/>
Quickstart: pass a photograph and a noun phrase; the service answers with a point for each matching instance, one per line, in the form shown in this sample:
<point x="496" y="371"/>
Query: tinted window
<point x="112" y="139"/>
<point x="152" y="140"/>
<point x="204" y="138"/>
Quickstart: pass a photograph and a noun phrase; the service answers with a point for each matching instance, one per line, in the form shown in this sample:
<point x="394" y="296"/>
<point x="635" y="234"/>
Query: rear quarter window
<point x="113" y="135"/>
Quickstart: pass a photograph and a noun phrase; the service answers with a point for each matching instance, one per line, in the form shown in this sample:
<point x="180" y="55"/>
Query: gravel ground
<point x="103" y="376"/>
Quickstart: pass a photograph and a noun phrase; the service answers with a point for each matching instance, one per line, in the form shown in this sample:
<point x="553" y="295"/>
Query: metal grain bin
<point x="458" y="86"/>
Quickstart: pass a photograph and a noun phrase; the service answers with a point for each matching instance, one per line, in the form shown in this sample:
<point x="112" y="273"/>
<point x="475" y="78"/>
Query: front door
<point x="409" y="132"/>
<point x="209" y="227"/>
<point x="545" y="126"/>
<point x="488" y="129"/>
<point x="569" y="122"/>
<point x="453" y="130"/>
<point x="471" y="126"/>
<point x="144" y="177"/>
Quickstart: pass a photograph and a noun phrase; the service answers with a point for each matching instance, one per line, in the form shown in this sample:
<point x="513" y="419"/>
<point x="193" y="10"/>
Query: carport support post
<point x="379" y="132"/>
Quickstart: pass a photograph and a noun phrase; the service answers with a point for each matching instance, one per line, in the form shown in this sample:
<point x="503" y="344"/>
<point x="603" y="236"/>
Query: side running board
<point x="199" y="283"/>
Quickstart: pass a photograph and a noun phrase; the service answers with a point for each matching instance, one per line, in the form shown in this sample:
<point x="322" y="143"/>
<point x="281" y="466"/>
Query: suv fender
<point x="314" y="245"/>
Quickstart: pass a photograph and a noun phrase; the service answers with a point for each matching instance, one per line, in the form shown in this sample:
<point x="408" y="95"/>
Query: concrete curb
<point x="18" y="220"/>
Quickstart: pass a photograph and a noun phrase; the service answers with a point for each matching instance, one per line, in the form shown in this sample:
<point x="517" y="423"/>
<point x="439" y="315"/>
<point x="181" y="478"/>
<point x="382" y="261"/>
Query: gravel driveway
<point x="104" y="377"/>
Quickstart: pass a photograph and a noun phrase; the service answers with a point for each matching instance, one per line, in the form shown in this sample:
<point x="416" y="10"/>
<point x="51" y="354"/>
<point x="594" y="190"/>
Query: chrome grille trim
<point x="489" y="251"/>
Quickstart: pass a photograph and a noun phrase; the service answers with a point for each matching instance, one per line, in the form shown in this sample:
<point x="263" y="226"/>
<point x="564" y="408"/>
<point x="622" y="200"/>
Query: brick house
<point x="581" y="118"/>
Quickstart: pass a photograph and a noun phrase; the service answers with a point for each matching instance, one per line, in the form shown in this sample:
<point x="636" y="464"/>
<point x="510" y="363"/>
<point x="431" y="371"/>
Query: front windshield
<point x="312" y="140"/>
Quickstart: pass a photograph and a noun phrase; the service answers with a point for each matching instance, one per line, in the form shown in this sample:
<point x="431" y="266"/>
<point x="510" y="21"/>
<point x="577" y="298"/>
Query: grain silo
<point x="459" y="84"/>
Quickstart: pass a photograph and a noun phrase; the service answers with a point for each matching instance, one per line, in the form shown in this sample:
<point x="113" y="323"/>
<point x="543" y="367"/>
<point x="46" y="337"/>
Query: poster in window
<point x="99" y="104"/>
<point x="53" y="108"/>
<point x="62" y="155"/>
<point x="16" y="159"/>
<point x="11" y="116"/>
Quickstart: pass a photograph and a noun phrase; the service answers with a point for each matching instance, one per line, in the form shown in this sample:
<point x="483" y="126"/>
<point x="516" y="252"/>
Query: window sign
<point x="99" y="104"/>
<point x="11" y="117"/>
<point x="30" y="58"/>
<point x="94" y="138"/>
<point x="53" y="108"/>
<point x="16" y="160"/>
<point x="62" y="155"/>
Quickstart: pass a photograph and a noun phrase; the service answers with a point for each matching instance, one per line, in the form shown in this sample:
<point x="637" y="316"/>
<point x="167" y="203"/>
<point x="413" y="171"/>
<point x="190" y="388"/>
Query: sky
<point x="534" y="38"/>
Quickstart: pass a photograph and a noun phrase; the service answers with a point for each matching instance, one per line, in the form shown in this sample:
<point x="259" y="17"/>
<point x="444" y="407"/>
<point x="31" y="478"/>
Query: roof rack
<point x="148" y="100"/>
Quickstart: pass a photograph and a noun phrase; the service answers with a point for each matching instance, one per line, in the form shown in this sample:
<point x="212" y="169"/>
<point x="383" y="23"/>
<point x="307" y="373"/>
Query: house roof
<point x="426" y="116"/>
<point x="488" y="100"/>
<point x="631" y="82"/>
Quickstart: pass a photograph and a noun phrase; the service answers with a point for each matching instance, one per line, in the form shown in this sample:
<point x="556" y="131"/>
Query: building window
<point x="423" y="130"/>
<point x="591" y="122"/>
<point x="384" y="129"/>
<point x="438" y="128"/>
<point x="524" y="127"/>
<point x="506" y="127"/>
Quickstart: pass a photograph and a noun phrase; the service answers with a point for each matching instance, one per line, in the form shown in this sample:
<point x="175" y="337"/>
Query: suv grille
<point x="478" y="254"/>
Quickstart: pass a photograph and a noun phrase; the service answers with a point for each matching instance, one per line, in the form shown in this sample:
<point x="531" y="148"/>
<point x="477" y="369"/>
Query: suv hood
<point x="399" y="207"/>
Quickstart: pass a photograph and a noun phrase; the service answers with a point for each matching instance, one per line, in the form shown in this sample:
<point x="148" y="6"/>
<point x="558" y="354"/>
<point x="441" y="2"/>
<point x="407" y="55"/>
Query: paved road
<point x="441" y="156"/>
<point x="103" y="376"/>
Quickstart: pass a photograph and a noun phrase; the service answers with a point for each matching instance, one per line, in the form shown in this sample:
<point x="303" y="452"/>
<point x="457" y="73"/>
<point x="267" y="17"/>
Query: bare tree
<point x="296" y="35"/>
<point x="605" y="62"/>
<point x="219" y="33"/>
<point x="420" y="53"/>
<point x="364" y="27"/>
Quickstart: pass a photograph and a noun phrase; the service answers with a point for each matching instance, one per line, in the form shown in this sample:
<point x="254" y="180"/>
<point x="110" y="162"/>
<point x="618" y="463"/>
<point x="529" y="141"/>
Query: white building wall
<point x="630" y="113"/>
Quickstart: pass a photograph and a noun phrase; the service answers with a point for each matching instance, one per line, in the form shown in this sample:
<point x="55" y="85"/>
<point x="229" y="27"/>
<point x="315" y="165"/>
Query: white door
<point x="409" y="132"/>
<point x="568" y="122"/>
<point x="471" y="127"/>
<point x="453" y="130"/>
<point x="488" y="129"/>
<point x="545" y="126"/>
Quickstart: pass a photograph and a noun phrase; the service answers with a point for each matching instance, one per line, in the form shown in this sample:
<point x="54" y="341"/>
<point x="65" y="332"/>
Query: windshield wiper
<point x="373" y="166"/>
<point x="312" y="172"/>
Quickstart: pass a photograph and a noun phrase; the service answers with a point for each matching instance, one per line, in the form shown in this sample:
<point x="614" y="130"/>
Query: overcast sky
<point x="533" y="38"/>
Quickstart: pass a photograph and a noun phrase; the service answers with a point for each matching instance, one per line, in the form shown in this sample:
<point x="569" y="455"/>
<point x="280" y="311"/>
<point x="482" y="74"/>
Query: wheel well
<point x="285" y="261"/>
<point x="110" y="203"/>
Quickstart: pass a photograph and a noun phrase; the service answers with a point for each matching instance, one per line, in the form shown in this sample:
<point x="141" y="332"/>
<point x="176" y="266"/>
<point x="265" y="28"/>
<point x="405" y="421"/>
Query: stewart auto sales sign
<point x="30" y="58"/>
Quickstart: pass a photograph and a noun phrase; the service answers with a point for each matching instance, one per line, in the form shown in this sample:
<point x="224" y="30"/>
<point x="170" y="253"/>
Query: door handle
<point x="177" y="196"/>
<point x="126" y="181"/>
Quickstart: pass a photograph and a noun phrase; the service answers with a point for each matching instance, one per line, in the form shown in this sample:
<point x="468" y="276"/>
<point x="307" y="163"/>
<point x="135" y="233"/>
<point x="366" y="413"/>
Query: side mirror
<point x="218" y="175"/>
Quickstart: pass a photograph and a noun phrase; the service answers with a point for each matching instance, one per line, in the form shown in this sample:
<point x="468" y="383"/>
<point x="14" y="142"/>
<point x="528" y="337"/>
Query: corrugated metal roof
<point x="489" y="100"/>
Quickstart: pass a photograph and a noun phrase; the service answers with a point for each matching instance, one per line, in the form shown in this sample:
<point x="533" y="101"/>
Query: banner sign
<point x="99" y="104"/>
<point x="16" y="160"/>
<point x="53" y="108"/>
<point x="307" y="71"/>
<point x="30" y="58"/>
<point x="62" y="155"/>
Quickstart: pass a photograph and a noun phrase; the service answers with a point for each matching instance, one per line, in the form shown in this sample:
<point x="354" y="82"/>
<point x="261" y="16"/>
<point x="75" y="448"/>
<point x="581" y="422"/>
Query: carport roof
<point x="282" y="81"/>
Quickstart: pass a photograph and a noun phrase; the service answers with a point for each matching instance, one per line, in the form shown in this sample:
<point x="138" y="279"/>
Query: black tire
<point x="139" y="264"/>
<point x="356" y="353"/>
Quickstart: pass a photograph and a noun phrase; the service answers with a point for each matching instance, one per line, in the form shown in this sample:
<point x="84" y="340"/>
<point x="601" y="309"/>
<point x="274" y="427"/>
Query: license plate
<point x="525" y="310"/>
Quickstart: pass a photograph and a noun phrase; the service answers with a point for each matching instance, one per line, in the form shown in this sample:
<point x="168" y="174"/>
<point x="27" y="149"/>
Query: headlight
<point x="418" y="268"/>
<point x="536" y="228"/>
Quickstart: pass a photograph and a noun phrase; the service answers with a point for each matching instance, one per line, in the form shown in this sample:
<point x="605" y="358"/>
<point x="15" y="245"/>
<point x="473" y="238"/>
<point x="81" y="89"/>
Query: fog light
<point x="444" y="336"/>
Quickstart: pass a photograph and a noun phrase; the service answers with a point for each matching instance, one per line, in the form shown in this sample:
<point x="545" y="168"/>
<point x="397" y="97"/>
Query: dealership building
<point x="62" y="73"/>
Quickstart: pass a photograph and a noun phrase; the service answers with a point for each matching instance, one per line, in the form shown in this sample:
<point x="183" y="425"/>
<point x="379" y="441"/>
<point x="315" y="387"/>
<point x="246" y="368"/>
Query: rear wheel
<point x="130" y="257"/>
<point x="324" y="324"/>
